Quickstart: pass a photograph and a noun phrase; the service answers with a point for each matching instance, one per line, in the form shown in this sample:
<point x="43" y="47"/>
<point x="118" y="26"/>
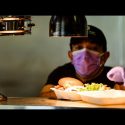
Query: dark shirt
<point x="68" y="70"/>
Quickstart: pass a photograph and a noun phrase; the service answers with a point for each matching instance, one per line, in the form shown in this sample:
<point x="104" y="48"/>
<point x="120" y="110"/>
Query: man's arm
<point x="52" y="81"/>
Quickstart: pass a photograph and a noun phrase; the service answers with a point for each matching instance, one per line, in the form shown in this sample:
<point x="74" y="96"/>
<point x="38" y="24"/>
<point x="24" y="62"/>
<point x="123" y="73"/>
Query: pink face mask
<point x="86" y="61"/>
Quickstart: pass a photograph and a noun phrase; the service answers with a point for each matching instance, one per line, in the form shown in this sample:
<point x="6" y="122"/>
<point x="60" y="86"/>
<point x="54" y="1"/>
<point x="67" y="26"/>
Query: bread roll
<point x="67" y="82"/>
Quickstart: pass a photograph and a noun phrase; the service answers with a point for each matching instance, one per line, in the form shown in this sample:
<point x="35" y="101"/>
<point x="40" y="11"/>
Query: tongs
<point x="3" y="97"/>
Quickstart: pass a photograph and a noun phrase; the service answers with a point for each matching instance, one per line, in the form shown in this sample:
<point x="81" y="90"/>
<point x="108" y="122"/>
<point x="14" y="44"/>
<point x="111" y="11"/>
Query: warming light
<point x="68" y="26"/>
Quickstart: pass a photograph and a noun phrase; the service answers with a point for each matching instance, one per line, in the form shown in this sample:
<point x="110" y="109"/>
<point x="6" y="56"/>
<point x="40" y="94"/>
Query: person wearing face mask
<point x="88" y="56"/>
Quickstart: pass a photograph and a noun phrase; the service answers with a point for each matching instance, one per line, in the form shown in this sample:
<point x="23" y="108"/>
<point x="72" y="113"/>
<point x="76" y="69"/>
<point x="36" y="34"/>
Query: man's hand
<point x="47" y="92"/>
<point x="119" y="87"/>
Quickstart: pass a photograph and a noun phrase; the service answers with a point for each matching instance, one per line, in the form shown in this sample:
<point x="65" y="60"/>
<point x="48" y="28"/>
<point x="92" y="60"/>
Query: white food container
<point x="69" y="95"/>
<point x="103" y="97"/>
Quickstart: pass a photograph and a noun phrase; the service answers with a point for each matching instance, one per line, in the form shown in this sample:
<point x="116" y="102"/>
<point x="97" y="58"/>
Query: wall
<point x="26" y="61"/>
<point x="113" y="27"/>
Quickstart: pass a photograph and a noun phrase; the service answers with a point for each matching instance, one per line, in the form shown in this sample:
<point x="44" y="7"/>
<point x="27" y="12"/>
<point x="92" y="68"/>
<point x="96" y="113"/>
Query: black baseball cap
<point x="95" y="35"/>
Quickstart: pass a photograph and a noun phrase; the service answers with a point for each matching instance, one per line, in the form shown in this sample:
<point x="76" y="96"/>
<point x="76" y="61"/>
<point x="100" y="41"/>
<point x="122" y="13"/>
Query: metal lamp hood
<point x="68" y="26"/>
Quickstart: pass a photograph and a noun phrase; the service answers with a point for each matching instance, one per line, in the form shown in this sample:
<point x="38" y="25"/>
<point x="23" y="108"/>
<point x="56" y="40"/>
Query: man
<point x="88" y="56"/>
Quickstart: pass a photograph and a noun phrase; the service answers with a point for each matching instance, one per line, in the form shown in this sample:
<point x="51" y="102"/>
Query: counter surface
<point x="45" y="103"/>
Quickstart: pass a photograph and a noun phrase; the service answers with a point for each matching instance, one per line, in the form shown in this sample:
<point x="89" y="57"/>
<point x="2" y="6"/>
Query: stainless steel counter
<point x="50" y="104"/>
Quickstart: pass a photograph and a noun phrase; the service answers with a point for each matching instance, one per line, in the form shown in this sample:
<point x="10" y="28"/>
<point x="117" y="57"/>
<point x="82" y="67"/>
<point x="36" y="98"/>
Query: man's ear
<point x="70" y="55"/>
<point x="105" y="56"/>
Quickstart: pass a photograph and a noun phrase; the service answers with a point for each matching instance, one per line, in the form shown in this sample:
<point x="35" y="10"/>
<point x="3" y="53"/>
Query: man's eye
<point x="79" y="47"/>
<point x="94" y="49"/>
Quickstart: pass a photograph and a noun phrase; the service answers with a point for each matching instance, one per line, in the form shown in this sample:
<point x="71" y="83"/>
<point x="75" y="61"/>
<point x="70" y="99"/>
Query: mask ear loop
<point x="102" y="64"/>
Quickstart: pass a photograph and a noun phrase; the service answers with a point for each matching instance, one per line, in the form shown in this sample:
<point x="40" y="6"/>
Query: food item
<point x="72" y="84"/>
<point x="93" y="87"/>
<point x="88" y="87"/>
<point x="69" y="88"/>
<point x="67" y="82"/>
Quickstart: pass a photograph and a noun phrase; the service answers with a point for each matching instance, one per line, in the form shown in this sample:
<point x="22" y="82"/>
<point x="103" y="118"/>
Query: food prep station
<point x="25" y="103"/>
